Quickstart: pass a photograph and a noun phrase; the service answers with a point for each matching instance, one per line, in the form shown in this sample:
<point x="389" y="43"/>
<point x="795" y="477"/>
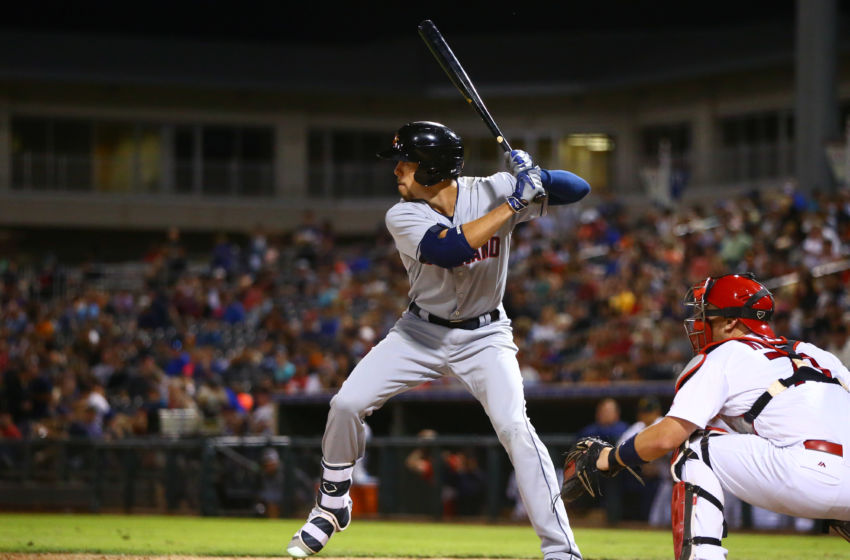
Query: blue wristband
<point x="628" y="454"/>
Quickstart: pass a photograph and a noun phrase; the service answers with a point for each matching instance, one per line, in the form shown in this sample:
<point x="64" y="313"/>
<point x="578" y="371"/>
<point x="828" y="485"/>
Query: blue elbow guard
<point x="450" y="251"/>
<point x="563" y="187"/>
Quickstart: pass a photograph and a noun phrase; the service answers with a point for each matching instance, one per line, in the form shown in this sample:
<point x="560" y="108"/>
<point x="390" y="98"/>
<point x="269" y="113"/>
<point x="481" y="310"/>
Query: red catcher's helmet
<point x="737" y="296"/>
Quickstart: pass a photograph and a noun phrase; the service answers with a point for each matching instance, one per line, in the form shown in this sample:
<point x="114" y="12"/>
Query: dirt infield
<point x="59" y="556"/>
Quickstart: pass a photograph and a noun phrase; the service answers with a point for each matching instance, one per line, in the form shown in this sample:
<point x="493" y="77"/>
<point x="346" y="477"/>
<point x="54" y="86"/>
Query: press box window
<point x="223" y="160"/>
<point x="343" y="164"/>
<point x="51" y="154"/>
<point x="588" y="155"/>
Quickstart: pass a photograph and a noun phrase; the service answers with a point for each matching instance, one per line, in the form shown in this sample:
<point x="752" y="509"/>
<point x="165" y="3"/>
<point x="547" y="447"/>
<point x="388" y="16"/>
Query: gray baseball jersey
<point x="483" y="360"/>
<point x="464" y="291"/>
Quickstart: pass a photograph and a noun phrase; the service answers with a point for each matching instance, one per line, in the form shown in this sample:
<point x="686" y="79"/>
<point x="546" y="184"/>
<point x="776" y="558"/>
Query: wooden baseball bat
<point x="450" y="64"/>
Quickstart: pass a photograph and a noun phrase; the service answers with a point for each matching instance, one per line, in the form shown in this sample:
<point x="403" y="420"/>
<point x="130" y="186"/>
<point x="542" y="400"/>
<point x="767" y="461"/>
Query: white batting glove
<point x="529" y="185"/>
<point x="529" y="188"/>
<point x="518" y="161"/>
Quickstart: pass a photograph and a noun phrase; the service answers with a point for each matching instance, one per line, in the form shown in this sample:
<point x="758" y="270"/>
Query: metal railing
<point x="232" y="475"/>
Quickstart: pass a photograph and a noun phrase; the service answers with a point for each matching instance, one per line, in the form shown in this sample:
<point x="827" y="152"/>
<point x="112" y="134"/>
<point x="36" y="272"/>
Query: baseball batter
<point x="453" y="235"/>
<point x="787" y="402"/>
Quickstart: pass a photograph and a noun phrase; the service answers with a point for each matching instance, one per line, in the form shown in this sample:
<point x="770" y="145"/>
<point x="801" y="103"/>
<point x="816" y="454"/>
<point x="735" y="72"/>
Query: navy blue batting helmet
<point x="436" y="148"/>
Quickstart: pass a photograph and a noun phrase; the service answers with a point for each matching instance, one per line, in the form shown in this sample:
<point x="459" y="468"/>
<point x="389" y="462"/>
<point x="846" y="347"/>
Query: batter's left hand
<point x="518" y="161"/>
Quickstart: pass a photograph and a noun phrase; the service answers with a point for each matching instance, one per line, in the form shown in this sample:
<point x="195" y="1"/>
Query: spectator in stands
<point x="597" y="290"/>
<point x="235" y="422"/>
<point x="420" y="464"/>
<point x="92" y="394"/>
<point x="262" y="419"/>
<point x="211" y="399"/>
<point x="257" y="250"/>
<point x="419" y="459"/>
<point x="608" y="425"/>
<point x="304" y="380"/>
<point x="117" y="426"/>
<point x="145" y="377"/>
<point x="139" y="423"/>
<point x="308" y="238"/>
<point x="467" y="481"/>
<point x="839" y="343"/>
<point x="85" y="421"/>
<point x="650" y="501"/>
<point x="225" y="257"/>
<point x="174" y="254"/>
<point x="157" y="313"/>
<point x="40" y="390"/>
<point x="270" y="485"/>
<point x="9" y="454"/>
<point x="8" y="429"/>
<point x="14" y="392"/>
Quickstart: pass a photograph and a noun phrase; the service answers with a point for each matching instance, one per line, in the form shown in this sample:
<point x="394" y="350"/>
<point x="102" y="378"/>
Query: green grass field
<point x="157" y="535"/>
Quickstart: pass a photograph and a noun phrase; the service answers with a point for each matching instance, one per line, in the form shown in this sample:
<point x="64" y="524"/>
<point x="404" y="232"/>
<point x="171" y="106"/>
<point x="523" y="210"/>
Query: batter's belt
<point x="465" y="324"/>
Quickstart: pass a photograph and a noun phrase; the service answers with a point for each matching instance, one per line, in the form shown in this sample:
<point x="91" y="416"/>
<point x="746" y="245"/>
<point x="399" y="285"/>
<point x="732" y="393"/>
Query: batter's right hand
<point x="529" y="188"/>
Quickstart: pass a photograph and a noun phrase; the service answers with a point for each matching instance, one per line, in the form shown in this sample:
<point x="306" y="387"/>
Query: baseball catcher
<point x="786" y="402"/>
<point x="581" y="474"/>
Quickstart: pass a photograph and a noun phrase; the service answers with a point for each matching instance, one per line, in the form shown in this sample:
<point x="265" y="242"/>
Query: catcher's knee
<point x="694" y="449"/>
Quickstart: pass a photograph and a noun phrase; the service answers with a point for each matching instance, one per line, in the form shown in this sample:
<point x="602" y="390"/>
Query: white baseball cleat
<point x="297" y="549"/>
<point x="315" y="534"/>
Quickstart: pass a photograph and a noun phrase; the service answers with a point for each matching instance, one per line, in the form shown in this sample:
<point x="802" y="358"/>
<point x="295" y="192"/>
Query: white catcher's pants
<point x="484" y="360"/>
<point x="791" y="480"/>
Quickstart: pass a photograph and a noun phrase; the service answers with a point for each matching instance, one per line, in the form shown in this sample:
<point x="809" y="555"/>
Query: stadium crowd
<point x="226" y="332"/>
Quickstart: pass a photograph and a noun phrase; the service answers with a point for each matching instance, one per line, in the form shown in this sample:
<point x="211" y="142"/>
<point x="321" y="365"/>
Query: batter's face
<point x="408" y="188"/>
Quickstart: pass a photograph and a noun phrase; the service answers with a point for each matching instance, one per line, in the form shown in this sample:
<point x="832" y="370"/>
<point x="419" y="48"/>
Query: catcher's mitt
<point x="581" y="476"/>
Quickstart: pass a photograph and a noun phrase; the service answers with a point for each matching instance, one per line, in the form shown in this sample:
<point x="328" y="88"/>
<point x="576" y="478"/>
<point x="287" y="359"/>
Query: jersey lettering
<point x="772" y="353"/>
<point x="815" y="365"/>
<point x="693" y="366"/>
<point x="752" y="344"/>
<point x="489" y="250"/>
<point x="494" y="244"/>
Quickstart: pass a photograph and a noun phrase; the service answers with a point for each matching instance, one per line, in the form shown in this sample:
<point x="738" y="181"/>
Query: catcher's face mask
<point x="734" y="296"/>
<point x="697" y="327"/>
